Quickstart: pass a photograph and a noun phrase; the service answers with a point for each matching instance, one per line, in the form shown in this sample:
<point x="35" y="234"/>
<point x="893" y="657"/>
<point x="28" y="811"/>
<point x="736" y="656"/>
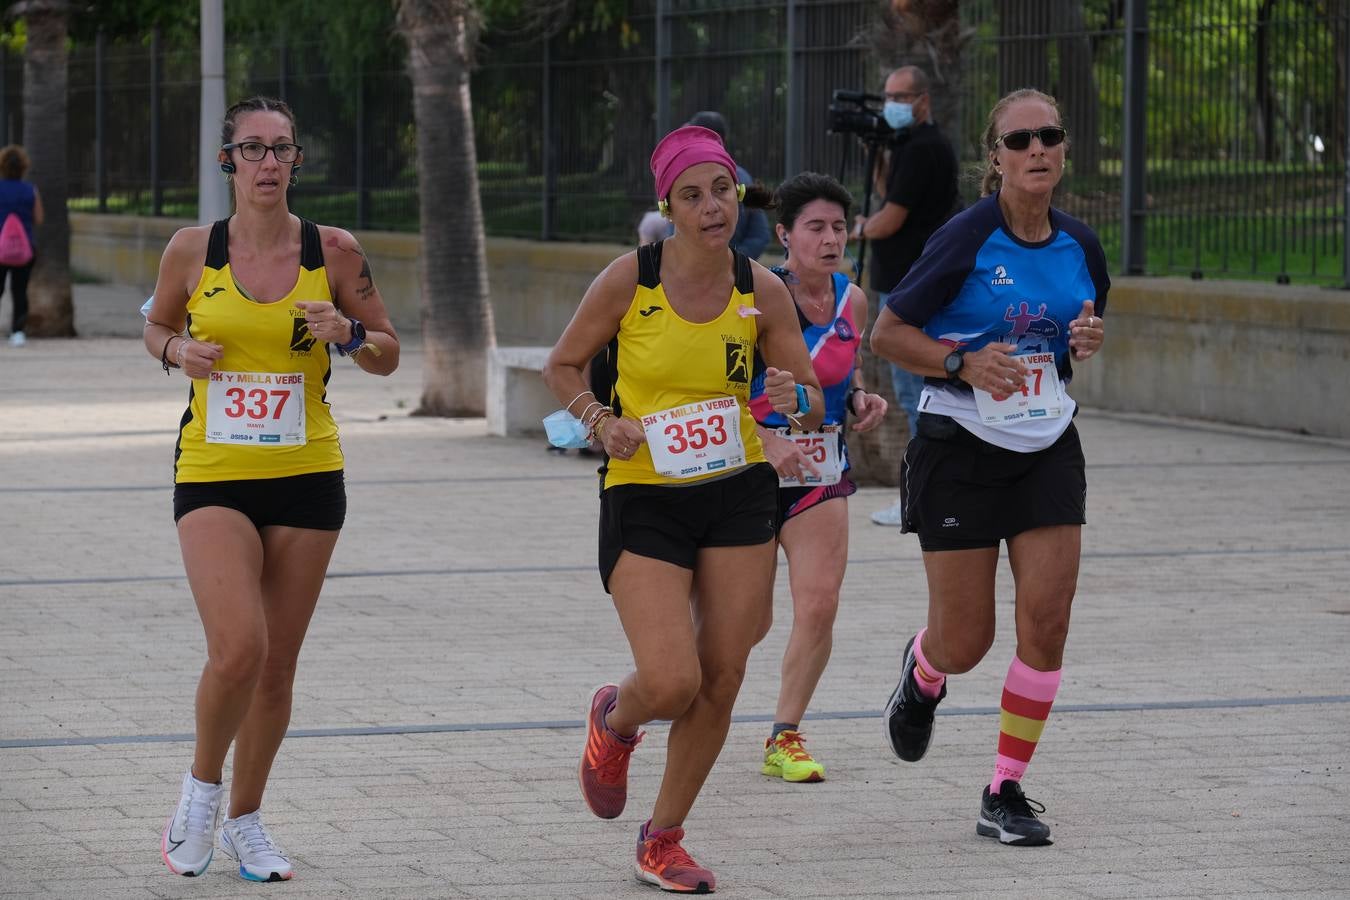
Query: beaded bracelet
<point x="604" y="416"/>
<point x="591" y="418"/>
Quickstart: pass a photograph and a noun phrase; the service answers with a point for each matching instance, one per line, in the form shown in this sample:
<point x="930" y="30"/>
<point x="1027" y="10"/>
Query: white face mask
<point x="898" y="115"/>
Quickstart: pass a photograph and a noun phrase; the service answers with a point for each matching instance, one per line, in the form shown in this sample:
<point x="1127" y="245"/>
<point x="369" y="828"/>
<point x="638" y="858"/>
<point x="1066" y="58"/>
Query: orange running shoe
<point x="663" y="862"/>
<point x="604" y="760"/>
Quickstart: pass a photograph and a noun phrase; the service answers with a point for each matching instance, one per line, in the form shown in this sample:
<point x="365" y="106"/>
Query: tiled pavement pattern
<point x="1199" y="747"/>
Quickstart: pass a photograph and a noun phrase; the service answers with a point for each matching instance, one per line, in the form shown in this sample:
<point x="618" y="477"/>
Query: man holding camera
<point x="919" y="186"/>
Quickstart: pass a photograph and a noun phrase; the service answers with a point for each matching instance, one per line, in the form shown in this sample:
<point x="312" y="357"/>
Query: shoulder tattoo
<point x="368" y="288"/>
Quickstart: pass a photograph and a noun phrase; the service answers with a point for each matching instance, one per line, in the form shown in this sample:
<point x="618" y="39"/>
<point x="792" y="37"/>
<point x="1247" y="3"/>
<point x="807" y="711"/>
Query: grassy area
<point x="1197" y="226"/>
<point x="1295" y="249"/>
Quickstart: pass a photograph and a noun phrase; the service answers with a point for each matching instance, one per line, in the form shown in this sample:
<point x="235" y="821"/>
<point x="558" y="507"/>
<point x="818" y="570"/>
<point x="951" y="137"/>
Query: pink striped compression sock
<point x="927" y="678"/>
<point x="1028" y="695"/>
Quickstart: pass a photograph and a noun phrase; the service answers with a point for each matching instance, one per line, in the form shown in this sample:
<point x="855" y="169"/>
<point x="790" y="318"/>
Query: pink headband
<point x="685" y="147"/>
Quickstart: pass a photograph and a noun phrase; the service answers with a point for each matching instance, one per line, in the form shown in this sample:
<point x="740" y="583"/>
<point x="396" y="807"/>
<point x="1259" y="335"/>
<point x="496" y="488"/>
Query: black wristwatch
<point x="358" y="338"/>
<point x="953" y="363"/>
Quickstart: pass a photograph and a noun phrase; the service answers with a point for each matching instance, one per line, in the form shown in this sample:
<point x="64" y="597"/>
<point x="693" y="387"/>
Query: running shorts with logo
<point x="964" y="493"/>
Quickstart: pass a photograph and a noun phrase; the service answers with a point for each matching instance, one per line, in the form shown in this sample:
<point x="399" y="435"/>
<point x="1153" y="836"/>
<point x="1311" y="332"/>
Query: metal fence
<point x="1208" y="136"/>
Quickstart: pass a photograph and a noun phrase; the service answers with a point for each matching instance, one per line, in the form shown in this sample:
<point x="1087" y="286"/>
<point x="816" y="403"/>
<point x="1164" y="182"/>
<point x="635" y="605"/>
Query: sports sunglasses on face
<point x="1049" y="136"/>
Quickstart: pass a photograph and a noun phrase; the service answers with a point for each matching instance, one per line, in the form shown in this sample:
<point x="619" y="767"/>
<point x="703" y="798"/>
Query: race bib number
<point x="822" y="449"/>
<point x="1040" y="397"/>
<point x="266" y="408"/>
<point x="696" y="439"/>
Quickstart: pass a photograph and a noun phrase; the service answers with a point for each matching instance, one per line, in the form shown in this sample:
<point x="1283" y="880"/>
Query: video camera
<point x="853" y="112"/>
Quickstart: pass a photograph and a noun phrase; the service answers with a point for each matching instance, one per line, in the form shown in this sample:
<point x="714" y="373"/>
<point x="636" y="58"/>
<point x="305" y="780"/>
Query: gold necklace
<point x="813" y="305"/>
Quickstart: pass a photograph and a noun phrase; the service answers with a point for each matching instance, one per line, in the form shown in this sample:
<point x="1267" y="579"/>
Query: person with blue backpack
<point x="20" y="213"/>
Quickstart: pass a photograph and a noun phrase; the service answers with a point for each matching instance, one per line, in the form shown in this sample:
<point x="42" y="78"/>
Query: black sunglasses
<point x="1049" y="136"/>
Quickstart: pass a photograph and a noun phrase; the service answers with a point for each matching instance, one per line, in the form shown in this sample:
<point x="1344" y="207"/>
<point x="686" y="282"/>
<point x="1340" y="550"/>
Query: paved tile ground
<point x="1199" y="746"/>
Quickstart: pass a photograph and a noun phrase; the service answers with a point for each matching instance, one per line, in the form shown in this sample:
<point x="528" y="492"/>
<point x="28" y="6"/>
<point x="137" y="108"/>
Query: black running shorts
<point x="317" y="500"/>
<point x="671" y="523"/>
<point x="962" y="493"/>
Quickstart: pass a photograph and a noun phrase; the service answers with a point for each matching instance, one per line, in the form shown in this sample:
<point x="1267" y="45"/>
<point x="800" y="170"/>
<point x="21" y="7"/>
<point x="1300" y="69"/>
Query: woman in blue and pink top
<point x="1006" y="299"/>
<point x="813" y="468"/>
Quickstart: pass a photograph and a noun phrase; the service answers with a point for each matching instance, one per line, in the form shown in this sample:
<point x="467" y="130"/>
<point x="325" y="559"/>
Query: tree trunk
<point x="1022" y="58"/>
<point x="1077" y="89"/>
<point x="928" y="34"/>
<point x="1265" y="94"/>
<point x="457" y="329"/>
<point x="51" y="310"/>
<point x="1336" y="14"/>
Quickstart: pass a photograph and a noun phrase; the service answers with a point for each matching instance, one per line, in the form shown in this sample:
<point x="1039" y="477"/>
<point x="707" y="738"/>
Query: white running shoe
<point x="189" y="835"/>
<point x="888" y="516"/>
<point x="245" y="840"/>
<point x="17" y="339"/>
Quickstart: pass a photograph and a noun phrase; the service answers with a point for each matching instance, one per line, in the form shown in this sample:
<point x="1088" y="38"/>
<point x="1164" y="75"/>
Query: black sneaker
<point x="909" y="714"/>
<point x="1011" y="817"/>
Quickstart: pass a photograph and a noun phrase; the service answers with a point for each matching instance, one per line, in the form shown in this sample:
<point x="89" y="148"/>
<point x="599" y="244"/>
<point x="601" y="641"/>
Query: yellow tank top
<point x="659" y="361"/>
<point x="266" y="345"/>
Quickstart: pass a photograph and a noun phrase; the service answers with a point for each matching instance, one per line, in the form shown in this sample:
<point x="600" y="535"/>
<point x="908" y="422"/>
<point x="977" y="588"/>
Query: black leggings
<point x="18" y="289"/>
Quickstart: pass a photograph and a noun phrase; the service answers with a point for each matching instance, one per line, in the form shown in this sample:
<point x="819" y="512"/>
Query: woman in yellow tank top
<point x="688" y="504"/>
<point x="247" y="309"/>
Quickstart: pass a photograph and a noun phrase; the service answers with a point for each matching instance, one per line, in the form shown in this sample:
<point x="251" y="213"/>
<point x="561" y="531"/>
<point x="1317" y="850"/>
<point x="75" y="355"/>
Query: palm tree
<point x="457" y="329"/>
<point x="44" y="128"/>
<point x="927" y="34"/>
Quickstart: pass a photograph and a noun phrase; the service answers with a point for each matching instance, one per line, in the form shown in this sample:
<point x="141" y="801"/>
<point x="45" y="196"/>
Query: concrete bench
<point x="517" y="399"/>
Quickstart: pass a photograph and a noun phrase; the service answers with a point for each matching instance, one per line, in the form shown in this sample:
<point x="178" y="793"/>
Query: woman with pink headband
<point x="687" y="502"/>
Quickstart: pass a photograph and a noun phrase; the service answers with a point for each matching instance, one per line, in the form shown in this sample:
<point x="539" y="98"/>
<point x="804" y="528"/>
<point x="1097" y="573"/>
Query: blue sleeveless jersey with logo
<point x="977" y="283"/>
<point x="834" y="350"/>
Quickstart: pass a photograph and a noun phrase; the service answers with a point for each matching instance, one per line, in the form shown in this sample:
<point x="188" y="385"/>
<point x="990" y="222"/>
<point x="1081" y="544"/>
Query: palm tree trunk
<point x="1077" y="88"/>
<point x="928" y="34"/>
<point x="51" y="311"/>
<point x="457" y="329"/>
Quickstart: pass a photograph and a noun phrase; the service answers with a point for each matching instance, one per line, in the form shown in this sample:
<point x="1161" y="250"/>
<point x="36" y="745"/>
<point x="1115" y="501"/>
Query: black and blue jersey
<point x="977" y="283"/>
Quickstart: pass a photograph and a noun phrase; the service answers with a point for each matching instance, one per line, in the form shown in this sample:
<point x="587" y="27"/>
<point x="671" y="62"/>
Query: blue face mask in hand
<point x="898" y="115"/>
<point x="566" y="430"/>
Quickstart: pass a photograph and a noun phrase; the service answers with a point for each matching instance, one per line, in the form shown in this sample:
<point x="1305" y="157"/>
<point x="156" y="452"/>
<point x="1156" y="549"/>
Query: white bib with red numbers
<point x="263" y="408"/>
<point x="1040" y="397"/>
<point x="822" y="448"/>
<point x="696" y="438"/>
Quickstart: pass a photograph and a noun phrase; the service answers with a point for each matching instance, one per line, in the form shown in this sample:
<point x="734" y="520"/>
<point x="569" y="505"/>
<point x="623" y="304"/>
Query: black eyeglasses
<point x="1049" y="136"/>
<point x="255" y="151"/>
